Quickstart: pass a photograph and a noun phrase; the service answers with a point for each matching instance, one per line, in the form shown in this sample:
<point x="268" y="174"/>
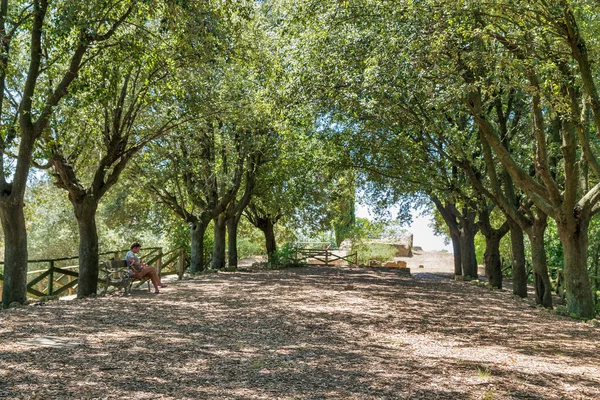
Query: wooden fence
<point x="322" y="252"/>
<point x="60" y="277"/>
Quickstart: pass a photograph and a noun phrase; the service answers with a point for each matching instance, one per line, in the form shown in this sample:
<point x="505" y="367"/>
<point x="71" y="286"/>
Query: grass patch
<point x="488" y="395"/>
<point x="374" y="251"/>
<point x="484" y="372"/>
<point x="397" y="342"/>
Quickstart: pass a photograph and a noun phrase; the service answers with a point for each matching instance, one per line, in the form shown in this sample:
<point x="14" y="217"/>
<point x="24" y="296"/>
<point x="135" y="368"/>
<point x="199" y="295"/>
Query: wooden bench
<point x="116" y="275"/>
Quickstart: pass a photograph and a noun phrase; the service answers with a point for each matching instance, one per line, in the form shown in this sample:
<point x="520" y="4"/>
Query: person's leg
<point x="151" y="273"/>
<point x="156" y="278"/>
<point x="135" y="274"/>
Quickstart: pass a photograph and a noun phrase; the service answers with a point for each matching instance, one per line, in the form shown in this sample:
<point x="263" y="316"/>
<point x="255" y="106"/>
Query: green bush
<point x="284" y="256"/>
<point x="561" y="310"/>
<point x="247" y="247"/>
<point x="374" y="251"/>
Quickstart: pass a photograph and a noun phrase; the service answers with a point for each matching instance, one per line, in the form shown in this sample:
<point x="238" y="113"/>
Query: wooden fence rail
<point x="58" y="279"/>
<point x="305" y="251"/>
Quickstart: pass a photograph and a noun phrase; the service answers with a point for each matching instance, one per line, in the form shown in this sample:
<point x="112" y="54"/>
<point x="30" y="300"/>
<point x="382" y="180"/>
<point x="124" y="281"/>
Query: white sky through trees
<point x="423" y="235"/>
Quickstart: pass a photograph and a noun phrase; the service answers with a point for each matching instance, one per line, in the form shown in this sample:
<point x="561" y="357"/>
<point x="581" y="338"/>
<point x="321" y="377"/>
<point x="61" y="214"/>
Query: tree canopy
<point x="199" y="113"/>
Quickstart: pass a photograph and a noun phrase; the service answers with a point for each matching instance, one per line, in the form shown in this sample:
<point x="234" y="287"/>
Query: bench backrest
<point x="118" y="264"/>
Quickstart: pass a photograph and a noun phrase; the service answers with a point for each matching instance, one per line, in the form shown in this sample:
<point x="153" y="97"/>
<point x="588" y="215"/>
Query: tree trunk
<point x="85" y="213"/>
<point x="268" y="228"/>
<point x="452" y="224"/>
<point x="467" y="253"/>
<point x="197" y="231"/>
<point x="270" y="243"/>
<point x="491" y="256"/>
<point x="456" y="249"/>
<point x="468" y="229"/>
<point x="15" y="253"/>
<point x="519" y="273"/>
<point x="595" y="263"/>
<point x="218" y="255"/>
<point x="574" y="238"/>
<point x="543" y="287"/>
<point x="232" y="254"/>
<point x="493" y="264"/>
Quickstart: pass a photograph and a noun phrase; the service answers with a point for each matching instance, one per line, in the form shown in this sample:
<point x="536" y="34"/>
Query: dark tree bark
<point x="15" y="254"/>
<point x="469" y="259"/>
<point x="493" y="262"/>
<point x="445" y="211"/>
<point x="457" y="257"/>
<point x="519" y="272"/>
<point x="197" y="231"/>
<point x="218" y="255"/>
<point x="12" y="194"/>
<point x="573" y="235"/>
<point x="519" y="213"/>
<point x="232" y="253"/>
<point x="235" y="211"/>
<point x="266" y="223"/>
<point x="118" y="153"/>
<point x="268" y="228"/>
<point x="202" y="191"/>
<point x="468" y="230"/>
<point x="543" y="286"/>
<point x="492" y="259"/>
<point x="85" y="213"/>
<point x="567" y="199"/>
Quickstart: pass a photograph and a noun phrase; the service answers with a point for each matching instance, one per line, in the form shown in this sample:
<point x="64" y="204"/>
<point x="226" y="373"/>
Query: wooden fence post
<point x="69" y="280"/>
<point x="51" y="279"/>
<point x="159" y="262"/>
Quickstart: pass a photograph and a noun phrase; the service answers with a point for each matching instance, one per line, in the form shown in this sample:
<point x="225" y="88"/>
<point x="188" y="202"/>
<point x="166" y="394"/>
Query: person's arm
<point x="136" y="265"/>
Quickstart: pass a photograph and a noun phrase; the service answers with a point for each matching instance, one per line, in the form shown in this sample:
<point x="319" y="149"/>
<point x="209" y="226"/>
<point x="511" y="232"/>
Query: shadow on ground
<point x="306" y="333"/>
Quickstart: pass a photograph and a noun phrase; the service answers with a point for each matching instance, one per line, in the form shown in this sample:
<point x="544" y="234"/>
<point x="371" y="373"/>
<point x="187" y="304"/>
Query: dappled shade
<point x="313" y="332"/>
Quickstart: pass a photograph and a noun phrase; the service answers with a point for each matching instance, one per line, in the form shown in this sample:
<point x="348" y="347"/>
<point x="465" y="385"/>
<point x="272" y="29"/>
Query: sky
<point x="422" y="234"/>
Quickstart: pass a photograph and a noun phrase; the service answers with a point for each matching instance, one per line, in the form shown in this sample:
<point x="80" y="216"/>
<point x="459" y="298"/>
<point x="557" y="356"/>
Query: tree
<point x="129" y="87"/>
<point x="405" y="64"/>
<point x="235" y="210"/>
<point x="560" y="91"/>
<point x="198" y="182"/>
<point x="293" y="184"/>
<point x="344" y="215"/>
<point x="348" y="61"/>
<point x="58" y="36"/>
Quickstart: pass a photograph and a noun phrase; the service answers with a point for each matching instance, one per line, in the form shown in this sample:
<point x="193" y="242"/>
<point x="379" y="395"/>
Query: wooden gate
<point x="321" y="252"/>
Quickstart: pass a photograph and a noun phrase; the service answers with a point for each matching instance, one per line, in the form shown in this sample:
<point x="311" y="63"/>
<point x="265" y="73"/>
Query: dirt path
<point x="306" y="333"/>
<point x="433" y="262"/>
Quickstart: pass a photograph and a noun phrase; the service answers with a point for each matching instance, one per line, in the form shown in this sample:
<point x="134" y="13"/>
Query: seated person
<point x="139" y="270"/>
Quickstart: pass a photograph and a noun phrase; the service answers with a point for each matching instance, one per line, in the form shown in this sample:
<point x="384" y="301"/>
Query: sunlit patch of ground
<point x="306" y="333"/>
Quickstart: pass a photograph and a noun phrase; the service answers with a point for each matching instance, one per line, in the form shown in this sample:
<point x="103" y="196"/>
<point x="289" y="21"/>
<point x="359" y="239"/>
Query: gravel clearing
<point x="304" y="333"/>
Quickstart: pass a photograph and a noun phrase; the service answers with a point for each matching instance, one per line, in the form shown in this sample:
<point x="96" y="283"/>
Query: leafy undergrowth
<point x="303" y="333"/>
